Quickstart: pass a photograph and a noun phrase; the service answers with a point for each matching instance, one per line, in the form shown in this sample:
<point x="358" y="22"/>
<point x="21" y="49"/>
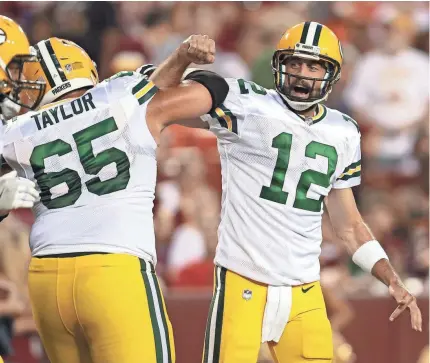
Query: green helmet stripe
<point x="305" y="32"/>
<point x="317" y="35"/>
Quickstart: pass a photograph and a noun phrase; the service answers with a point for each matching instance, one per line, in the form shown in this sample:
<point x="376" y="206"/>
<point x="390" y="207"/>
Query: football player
<point x="14" y="53"/>
<point x="283" y="154"/>
<point x="90" y="148"/>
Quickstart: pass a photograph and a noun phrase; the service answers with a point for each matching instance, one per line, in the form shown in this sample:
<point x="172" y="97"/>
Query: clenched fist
<point x="198" y="49"/>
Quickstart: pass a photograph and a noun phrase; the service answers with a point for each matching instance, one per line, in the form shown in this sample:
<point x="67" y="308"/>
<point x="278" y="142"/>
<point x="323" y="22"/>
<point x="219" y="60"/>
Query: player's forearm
<point x="385" y="273"/>
<point x="169" y="73"/>
<point x="367" y="253"/>
<point x="354" y="235"/>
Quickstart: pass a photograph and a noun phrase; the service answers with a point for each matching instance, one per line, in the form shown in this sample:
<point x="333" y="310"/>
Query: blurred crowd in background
<point x="384" y="87"/>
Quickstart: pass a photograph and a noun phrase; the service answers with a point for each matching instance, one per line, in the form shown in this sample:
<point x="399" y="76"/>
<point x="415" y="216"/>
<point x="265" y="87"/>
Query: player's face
<point x="303" y="68"/>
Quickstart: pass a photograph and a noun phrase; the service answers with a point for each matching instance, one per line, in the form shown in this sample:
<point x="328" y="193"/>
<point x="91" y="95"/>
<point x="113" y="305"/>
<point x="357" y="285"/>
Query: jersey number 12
<point x="274" y="192"/>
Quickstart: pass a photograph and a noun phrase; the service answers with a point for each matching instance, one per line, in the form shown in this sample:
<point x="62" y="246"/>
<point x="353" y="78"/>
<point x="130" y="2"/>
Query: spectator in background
<point x="188" y="197"/>
<point x="187" y="245"/>
<point x="15" y="309"/>
<point x="199" y="273"/>
<point x="40" y="28"/>
<point x="388" y="92"/>
<point x="262" y="36"/>
<point x="93" y="26"/>
<point x="159" y="35"/>
<point x="126" y="61"/>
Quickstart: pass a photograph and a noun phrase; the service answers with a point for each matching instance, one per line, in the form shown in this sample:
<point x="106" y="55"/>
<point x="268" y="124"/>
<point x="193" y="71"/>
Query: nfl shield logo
<point x="247" y="294"/>
<point x="68" y="67"/>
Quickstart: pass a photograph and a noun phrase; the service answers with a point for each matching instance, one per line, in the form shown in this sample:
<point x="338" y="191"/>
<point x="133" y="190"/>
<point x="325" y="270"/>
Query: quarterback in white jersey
<point x="283" y="154"/>
<point x="14" y="54"/>
<point x="91" y="150"/>
<point x="277" y="169"/>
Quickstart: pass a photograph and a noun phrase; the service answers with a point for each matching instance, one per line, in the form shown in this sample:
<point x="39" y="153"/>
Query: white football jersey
<point x="276" y="170"/>
<point x="93" y="160"/>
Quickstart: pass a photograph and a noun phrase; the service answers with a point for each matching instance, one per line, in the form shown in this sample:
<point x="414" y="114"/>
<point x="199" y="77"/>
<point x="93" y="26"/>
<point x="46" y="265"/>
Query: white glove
<point x="16" y="192"/>
<point x="9" y="108"/>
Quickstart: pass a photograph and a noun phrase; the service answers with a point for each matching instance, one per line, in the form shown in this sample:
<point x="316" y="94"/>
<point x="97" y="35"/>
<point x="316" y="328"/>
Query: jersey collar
<point x="48" y="105"/>
<point x="321" y="113"/>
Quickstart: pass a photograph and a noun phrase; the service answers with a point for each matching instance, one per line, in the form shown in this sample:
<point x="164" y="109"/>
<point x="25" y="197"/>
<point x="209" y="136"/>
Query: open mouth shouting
<point x="301" y="91"/>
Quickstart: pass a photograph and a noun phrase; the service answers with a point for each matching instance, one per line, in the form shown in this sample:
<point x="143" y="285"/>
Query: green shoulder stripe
<point x="139" y="86"/>
<point x="349" y="119"/>
<point x="349" y="176"/>
<point x="148" y="95"/>
<point x="120" y="74"/>
<point x="352" y="166"/>
<point x="144" y="90"/>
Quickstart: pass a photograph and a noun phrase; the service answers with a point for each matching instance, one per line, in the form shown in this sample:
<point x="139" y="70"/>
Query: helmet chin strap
<point x="301" y="106"/>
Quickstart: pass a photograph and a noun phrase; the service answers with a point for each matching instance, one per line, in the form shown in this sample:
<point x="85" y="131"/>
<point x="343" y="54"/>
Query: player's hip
<point x="244" y="313"/>
<point x="303" y="296"/>
<point x="270" y="269"/>
<point x="114" y="300"/>
<point x="139" y="248"/>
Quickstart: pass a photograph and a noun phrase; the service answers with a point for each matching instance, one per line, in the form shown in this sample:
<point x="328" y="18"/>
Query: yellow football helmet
<point x="313" y="41"/>
<point x="64" y="66"/>
<point x="14" y="54"/>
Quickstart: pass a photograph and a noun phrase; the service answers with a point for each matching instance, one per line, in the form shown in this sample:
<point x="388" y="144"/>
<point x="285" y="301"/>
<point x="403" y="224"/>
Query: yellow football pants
<point x="100" y="308"/>
<point x="234" y="326"/>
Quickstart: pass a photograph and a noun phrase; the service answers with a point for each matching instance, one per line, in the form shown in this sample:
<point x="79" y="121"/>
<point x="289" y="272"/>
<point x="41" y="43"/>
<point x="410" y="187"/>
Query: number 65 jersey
<point x="276" y="170"/>
<point x="93" y="160"/>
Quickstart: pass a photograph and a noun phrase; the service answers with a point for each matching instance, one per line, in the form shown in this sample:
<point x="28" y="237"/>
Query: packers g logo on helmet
<point x="64" y="66"/>
<point x="309" y="40"/>
<point x="14" y="55"/>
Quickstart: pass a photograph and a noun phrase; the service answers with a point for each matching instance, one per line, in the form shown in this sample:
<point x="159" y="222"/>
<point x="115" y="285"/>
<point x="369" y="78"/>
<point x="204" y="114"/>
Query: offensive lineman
<point x="91" y="149"/>
<point x="14" y="53"/>
<point x="282" y="154"/>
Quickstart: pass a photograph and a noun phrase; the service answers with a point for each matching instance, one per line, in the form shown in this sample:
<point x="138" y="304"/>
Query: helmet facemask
<point x="15" y="87"/>
<point x="287" y="83"/>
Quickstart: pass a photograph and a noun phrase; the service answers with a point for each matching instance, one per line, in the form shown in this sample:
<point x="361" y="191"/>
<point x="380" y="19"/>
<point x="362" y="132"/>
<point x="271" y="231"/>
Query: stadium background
<point x="384" y="86"/>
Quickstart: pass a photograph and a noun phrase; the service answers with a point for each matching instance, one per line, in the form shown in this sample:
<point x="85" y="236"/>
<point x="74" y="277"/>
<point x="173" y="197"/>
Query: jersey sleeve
<point x="227" y="120"/>
<point x="350" y="176"/>
<point x="131" y="88"/>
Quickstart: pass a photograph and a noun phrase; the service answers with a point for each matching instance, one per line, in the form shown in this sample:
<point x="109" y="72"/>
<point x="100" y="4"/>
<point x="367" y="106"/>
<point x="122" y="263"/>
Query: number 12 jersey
<point x="276" y="170"/>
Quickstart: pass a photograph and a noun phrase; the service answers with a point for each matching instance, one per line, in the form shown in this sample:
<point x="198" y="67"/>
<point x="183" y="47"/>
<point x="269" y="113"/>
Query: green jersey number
<point x="274" y="192"/>
<point x="91" y="163"/>
<point x="244" y="87"/>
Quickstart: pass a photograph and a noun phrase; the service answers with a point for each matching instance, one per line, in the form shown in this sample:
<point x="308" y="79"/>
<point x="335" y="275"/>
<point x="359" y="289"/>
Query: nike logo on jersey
<point x="307" y="289"/>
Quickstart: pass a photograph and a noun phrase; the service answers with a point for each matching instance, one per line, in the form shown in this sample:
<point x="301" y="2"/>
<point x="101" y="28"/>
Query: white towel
<point x="276" y="312"/>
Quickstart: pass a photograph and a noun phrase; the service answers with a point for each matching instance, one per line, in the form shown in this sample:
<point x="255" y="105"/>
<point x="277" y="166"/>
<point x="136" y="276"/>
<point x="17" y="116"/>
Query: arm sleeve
<point x="146" y="70"/>
<point x="351" y="173"/>
<point x="133" y="88"/>
<point x="226" y="121"/>
<point x="215" y="84"/>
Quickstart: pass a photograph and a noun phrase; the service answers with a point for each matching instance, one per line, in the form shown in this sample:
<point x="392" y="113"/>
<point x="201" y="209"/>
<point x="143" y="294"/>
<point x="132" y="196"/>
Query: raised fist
<point x="198" y="49"/>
